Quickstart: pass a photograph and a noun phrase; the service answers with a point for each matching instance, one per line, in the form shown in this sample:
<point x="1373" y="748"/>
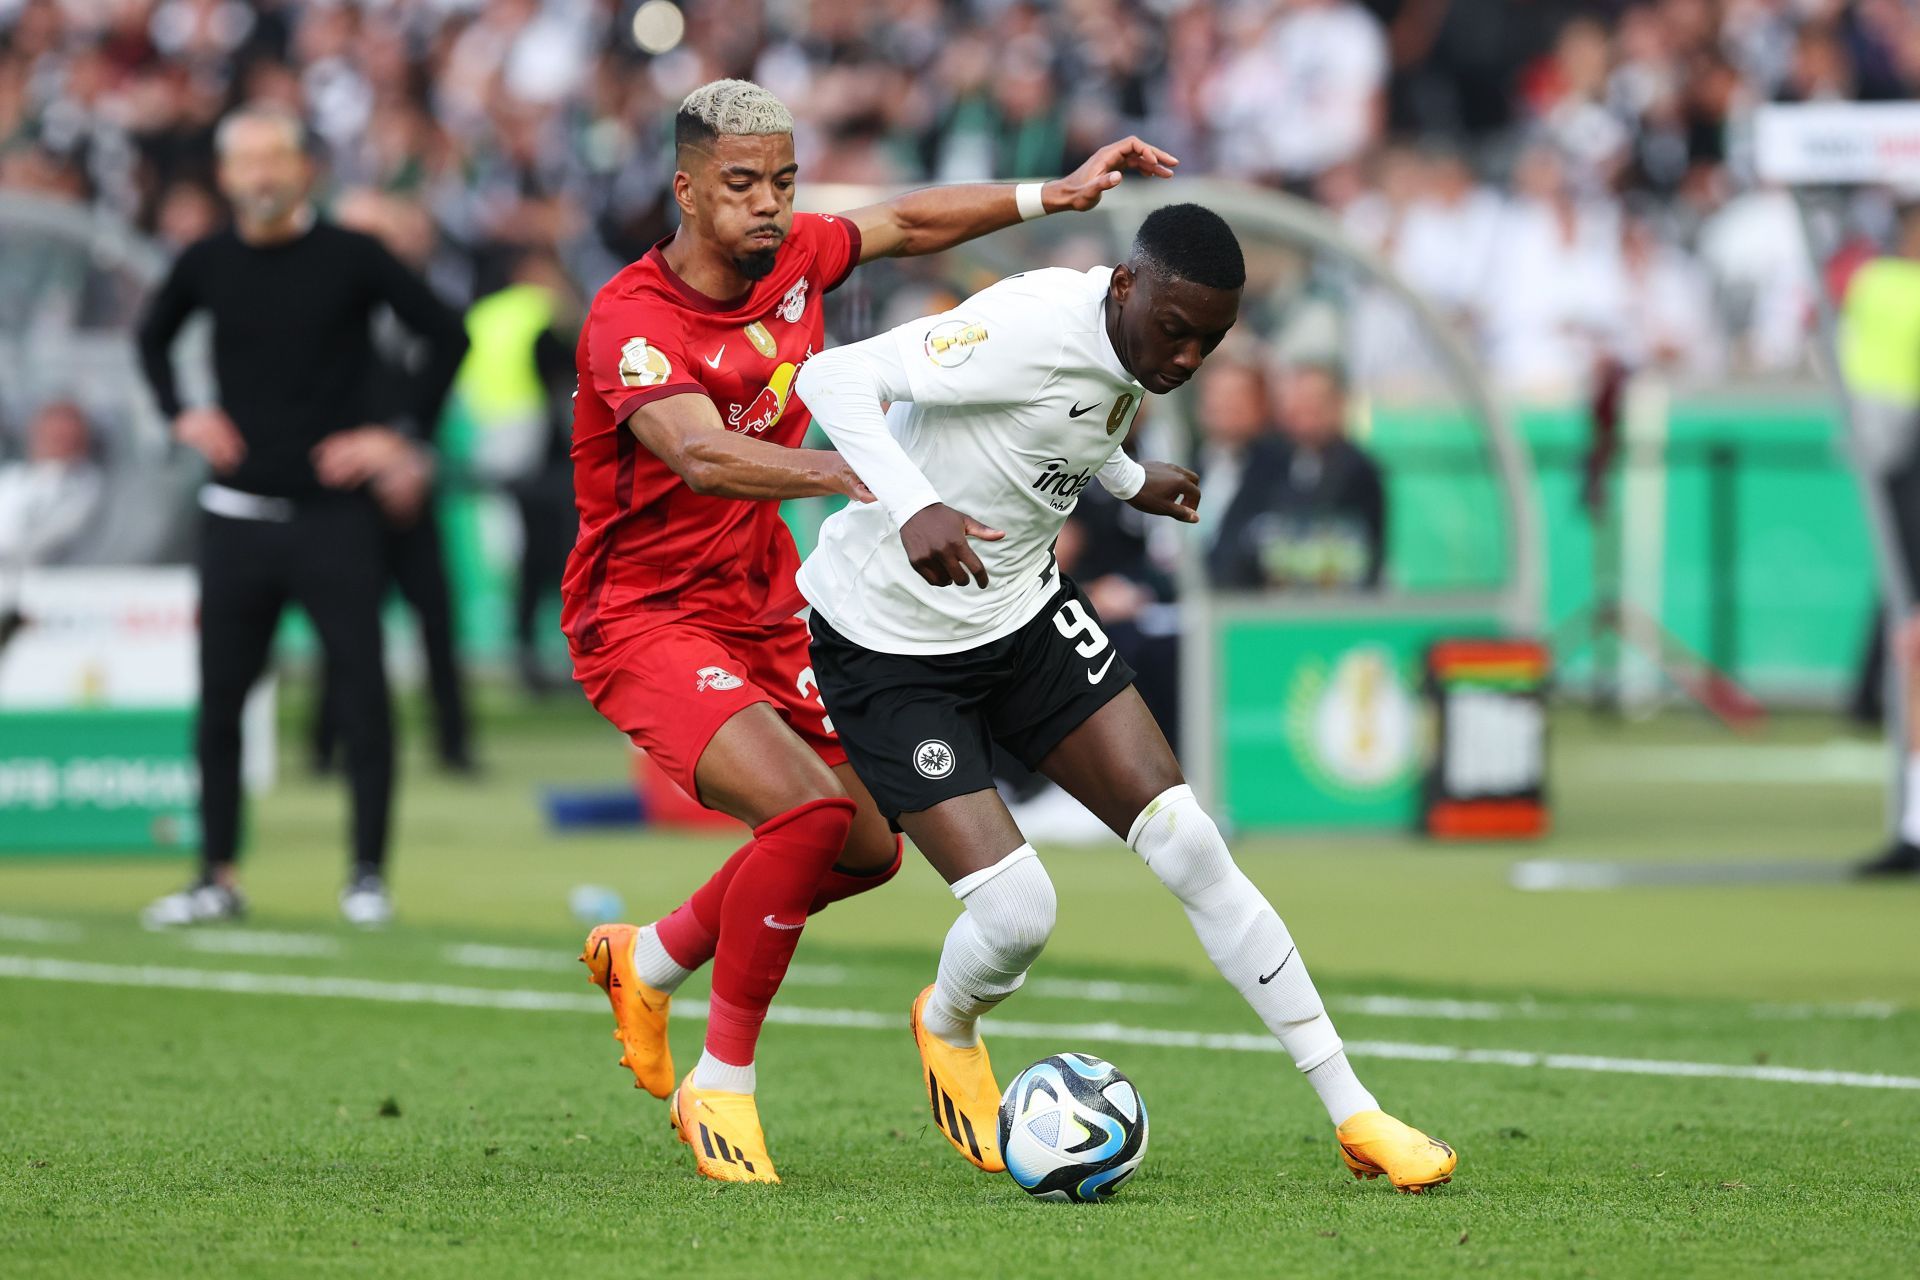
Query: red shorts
<point x="670" y="689"/>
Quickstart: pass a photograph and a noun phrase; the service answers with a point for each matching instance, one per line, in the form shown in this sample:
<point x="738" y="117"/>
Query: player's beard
<point x="757" y="264"/>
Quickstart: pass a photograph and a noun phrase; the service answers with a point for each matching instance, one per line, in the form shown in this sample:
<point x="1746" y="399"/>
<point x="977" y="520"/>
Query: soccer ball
<point x="1072" y="1128"/>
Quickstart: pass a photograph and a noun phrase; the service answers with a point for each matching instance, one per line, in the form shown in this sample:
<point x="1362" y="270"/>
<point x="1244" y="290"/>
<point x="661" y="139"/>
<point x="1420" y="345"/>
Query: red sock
<point x="691" y="930"/>
<point x="761" y="916"/>
<point x="845" y="884"/>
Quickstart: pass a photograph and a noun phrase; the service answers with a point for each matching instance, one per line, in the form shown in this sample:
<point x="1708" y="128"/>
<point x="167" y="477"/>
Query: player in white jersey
<point x="942" y="625"/>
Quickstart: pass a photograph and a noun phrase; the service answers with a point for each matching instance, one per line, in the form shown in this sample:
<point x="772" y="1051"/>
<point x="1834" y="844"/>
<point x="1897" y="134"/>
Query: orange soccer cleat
<point x="1373" y="1143"/>
<point x="961" y="1088"/>
<point x="639" y="1011"/>
<point x="723" y="1130"/>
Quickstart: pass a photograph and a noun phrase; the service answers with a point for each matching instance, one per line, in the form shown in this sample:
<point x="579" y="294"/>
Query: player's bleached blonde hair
<point x="723" y="107"/>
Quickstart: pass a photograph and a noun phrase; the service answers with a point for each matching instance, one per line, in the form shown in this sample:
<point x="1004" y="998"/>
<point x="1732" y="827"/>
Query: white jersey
<point x="1007" y="407"/>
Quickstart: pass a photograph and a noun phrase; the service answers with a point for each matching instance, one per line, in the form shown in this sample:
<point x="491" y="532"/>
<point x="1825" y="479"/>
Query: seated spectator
<point x="49" y="499"/>
<point x="1233" y="425"/>
<point x="1308" y="510"/>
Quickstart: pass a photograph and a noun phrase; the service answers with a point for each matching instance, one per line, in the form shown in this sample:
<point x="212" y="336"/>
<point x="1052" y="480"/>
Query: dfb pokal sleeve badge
<point x="642" y="364"/>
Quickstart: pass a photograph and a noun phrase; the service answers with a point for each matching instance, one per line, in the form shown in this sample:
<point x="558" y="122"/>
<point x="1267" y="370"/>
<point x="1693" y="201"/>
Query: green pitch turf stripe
<point x="229" y="982"/>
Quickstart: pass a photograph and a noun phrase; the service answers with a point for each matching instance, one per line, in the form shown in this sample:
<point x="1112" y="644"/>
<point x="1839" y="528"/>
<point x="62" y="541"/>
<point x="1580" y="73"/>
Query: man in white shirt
<point x="942" y="625"/>
<point x="50" y="499"/>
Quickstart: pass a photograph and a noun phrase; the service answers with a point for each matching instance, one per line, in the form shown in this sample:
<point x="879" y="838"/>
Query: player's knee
<point x="1026" y="931"/>
<point x="803" y="784"/>
<point x="1019" y="936"/>
<point x="871" y="847"/>
<point x="781" y="789"/>
<point x="1182" y="845"/>
<point x="825" y="819"/>
<point x="1015" y="909"/>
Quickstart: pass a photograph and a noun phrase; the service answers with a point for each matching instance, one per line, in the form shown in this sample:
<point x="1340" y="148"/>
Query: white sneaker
<point x="205" y="903"/>
<point x="364" y="903"/>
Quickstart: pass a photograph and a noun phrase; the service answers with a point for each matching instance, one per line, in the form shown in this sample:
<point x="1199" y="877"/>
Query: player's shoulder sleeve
<point x="835" y="243"/>
<point x="635" y="350"/>
<point x="1001" y="346"/>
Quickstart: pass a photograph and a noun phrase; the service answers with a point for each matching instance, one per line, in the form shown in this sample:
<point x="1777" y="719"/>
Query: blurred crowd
<point x="1598" y="150"/>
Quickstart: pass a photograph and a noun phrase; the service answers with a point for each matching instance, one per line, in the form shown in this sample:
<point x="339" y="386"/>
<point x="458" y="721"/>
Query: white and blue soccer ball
<point x="1072" y="1128"/>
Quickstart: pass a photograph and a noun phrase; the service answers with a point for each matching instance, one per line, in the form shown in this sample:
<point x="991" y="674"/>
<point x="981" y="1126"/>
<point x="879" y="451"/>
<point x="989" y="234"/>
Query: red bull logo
<point x="765" y="409"/>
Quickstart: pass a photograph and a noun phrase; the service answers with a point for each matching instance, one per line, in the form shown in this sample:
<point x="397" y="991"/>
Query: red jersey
<point x="651" y="550"/>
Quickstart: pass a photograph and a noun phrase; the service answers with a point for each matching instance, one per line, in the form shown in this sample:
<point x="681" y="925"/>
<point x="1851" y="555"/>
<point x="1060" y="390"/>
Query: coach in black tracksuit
<point x="301" y="469"/>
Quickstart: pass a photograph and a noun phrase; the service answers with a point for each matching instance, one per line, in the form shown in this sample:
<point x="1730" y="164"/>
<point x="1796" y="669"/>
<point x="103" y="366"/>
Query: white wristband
<point x="1132" y="478"/>
<point x="1030" y="200"/>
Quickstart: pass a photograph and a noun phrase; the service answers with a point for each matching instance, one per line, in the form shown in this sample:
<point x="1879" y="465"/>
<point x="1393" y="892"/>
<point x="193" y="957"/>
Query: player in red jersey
<point x="679" y="599"/>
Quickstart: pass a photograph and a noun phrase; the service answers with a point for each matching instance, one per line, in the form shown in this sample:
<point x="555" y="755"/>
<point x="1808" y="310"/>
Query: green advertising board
<point x="98" y="780"/>
<point x="1323" y="722"/>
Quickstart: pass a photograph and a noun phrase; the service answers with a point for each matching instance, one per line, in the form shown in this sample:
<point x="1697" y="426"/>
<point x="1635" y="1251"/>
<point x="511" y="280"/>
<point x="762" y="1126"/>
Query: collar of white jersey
<point x="1102" y="278"/>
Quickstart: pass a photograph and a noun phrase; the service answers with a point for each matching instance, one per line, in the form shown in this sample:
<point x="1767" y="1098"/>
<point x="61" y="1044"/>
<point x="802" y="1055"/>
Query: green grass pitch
<point x="443" y="1099"/>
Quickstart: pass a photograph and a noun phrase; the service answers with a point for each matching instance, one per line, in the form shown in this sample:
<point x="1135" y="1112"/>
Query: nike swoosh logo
<point x="604" y="947"/>
<point x="713" y="361"/>
<point x="775" y="924"/>
<point x="1277" y="968"/>
<point x="1076" y="411"/>
<point x="1094" y="677"/>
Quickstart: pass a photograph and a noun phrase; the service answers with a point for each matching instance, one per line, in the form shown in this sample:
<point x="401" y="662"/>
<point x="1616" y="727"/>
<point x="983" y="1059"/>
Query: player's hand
<point x="1169" y="491"/>
<point x="845" y="481"/>
<point x="1082" y="189"/>
<point x="349" y="459"/>
<point x="937" y="547"/>
<point x="209" y="432"/>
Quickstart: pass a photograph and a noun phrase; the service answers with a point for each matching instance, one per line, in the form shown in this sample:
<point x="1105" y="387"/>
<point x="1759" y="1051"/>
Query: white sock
<point x="1010" y="910"/>
<point x="656" y="968"/>
<point x="711" y="1073"/>
<point x="1910" y="803"/>
<point x="1246" y="940"/>
<point x="1340" y="1090"/>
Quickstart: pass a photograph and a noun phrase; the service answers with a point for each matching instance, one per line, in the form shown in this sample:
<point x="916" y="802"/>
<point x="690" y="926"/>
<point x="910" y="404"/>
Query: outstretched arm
<point x="936" y="218"/>
<point x="685" y="432"/>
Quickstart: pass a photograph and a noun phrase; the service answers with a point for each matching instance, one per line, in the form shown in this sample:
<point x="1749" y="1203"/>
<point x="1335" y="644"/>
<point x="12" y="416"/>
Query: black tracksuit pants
<point x="416" y="565"/>
<point x="328" y="559"/>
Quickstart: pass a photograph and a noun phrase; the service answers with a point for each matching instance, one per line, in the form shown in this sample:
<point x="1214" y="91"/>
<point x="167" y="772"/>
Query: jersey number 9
<point x="1076" y="624"/>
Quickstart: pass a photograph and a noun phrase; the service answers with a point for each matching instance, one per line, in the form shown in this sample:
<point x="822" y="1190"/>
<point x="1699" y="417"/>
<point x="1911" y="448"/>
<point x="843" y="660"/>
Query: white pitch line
<point x="34" y="929"/>
<point x="476" y="955"/>
<point x="1864" y="1010"/>
<point x="34" y="968"/>
<point x="1409" y="1007"/>
<point x="1108" y="992"/>
<point x="258" y="942"/>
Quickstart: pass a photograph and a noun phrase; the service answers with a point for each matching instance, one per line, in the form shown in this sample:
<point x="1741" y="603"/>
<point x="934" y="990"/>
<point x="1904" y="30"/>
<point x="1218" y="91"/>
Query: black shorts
<point x="919" y="728"/>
